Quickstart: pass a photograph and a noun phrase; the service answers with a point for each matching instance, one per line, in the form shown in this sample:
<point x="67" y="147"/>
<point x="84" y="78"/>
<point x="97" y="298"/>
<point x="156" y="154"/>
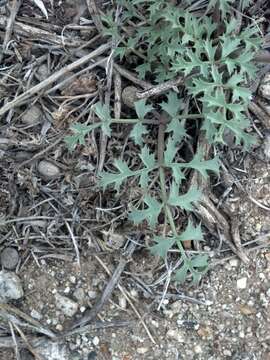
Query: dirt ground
<point x="226" y="317"/>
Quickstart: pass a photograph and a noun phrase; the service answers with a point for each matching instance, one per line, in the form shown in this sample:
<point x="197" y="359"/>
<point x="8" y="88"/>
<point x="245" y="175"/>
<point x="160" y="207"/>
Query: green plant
<point x="215" y="60"/>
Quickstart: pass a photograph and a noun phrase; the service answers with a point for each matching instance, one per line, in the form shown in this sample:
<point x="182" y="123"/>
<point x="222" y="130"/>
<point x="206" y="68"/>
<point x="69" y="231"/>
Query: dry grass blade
<point x="10" y="24"/>
<point x="42" y="7"/>
<point x="21" y="99"/>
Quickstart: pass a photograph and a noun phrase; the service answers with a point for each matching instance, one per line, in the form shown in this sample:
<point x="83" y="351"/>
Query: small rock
<point x="42" y="72"/>
<point x="92" y="294"/>
<point x="241" y="334"/>
<point x="67" y="290"/>
<point x="247" y="310"/>
<point x="48" y="170"/>
<point x="241" y="283"/>
<point x="36" y="315"/>
<point x="59" y="327"/>
<point x="72" y="279"/>
<point x="176" y="335"/>
<point x="79" y="295"/>
<point x="32" y="115"/>
<point x="9" y="258"/>
<point x="205" y="332"/>
<point x="197" y="349"/>
<point x="142" y="350"/>
<point x="129" y="96"/>
<point x="122" y="302"/>
<point x="10" y="287"/>
<point x="49" y="350"/>
<point x="66" y="305"/>
<point x="234" y="262"/>
<point x="95" y="341"/>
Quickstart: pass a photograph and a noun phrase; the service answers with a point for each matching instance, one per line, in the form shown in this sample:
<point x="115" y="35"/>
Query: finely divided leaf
<point x="191" y="233"/>
<point x="177" y="129"/>
<point x="162" y="246"/>
<point x="103" y="112"/>
<point x="170" y="152"/>
<point x="150" y="214"/>
<point x="137" y="132"/>
<point x="173" y="105"/>
<point x="147" y="158"/>
<point x="116" y="178"/>
<point x="186" y="200"/>
<point x="79" y="133"/>
<point x="201" y="165"/>
<point x="142" y="109"/>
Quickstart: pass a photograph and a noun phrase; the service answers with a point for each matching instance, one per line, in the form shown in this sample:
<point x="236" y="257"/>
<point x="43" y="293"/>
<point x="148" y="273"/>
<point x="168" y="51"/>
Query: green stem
<point x="155" y="122"/>
<point x="168" y="211"/>
<point x="164" y="196"/>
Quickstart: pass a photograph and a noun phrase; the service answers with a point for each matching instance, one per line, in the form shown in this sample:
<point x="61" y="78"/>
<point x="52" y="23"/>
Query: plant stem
<point x="164" y="196"/>
<point x="155" y="122"/>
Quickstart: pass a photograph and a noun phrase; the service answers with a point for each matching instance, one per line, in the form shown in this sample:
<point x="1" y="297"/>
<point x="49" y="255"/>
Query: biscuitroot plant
<point x="215" y="60"/>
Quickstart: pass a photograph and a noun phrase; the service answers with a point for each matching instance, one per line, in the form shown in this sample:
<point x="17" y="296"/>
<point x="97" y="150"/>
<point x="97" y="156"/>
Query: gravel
<point x="10" y="287"/>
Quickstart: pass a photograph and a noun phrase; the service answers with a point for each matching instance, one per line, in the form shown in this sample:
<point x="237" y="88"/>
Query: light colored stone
<point x="10" y="287"/>
<point x="241" y="283"/>
<point x="142" y="350"/>
<point x="79" y="295"/>
<point x="176" y="335"/>
<point x="66" y="305"/>
<point x="49" y="350"/>
<point x="197" y="349"/>
<point x="234" y="262"/>
<point x="59" y="327"/>
<point x="95" y="341"/>
<point x="9" y="258"/>
<point x="36" y="315"/>
<point x="32" y="115"/>
<point x="48" y="170"/>
<point x="42" y="72"/>
<point x="122" y="302"/>
<point x="92" y="294"/>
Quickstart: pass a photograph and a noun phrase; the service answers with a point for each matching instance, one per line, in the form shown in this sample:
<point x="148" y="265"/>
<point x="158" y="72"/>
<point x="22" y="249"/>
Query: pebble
<point x="95" y="341"/>
<point x="197" y="349"/>
<point x="49" y="350"/>
<point x="48" y="170"/>
<point x="129" y="96"/>
<point x="10" y="287"/>
<point x="32" y="115"/>
<point x="42" y="72"/>
<point x="92" y="294"/>
<point x="234" y="262"/>
<point x="241" y="283"/>
<point x="36" y="315"/>
<point x="72" y="279"/>
<point x="142" y="350"/>
<point x="79" y="295"/>
<point x="122" y="302"/>
<point x="9" y="258"/>
<point x="59" y="327"/>
<point x="67" y="290"/>
<point x="176" y="335"/>
<point x="66" y="305"/>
